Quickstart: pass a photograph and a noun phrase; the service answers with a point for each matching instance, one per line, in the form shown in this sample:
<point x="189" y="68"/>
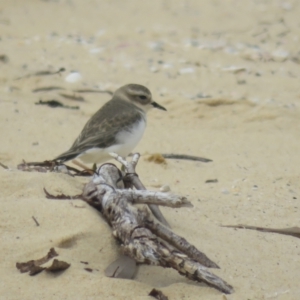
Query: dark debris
<point x="54" y="103"/>
<point x="158" y="295"/>
<point x="58" y="265"/>
<point x="32" y="264"/>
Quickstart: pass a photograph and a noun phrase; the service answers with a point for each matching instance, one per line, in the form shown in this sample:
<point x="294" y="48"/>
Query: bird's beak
<point x="156" y="105"/>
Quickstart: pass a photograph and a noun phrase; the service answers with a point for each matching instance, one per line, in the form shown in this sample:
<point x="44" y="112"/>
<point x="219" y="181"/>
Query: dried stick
<point x="3" y="166"/>
<point x="293" y="231"/>
<point x="142" y="238"/>
<point x="185" y="156"/>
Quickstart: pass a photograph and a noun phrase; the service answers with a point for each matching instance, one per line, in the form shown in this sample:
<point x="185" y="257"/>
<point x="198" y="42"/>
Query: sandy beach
<point x="228" y="74"/>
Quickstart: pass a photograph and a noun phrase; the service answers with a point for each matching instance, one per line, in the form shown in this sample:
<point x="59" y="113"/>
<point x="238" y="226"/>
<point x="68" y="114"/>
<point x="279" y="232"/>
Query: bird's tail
<point x="66" y="156"/>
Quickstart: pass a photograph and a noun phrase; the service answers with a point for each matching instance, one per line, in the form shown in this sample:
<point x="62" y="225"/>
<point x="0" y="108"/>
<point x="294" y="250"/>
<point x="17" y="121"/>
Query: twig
<point x="35" y="220"/>
<point x="42" y="73"/>
<point x="186" y="157"/>
<point x="3" y="166"/>
<point x="93" y="91"/>
<point x="72" y="97"/>
<point x="293" y="231"/>
<point x="47" y="89"/>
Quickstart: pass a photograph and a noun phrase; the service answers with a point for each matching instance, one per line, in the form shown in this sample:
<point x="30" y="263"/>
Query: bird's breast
<point x="130" y="137"/>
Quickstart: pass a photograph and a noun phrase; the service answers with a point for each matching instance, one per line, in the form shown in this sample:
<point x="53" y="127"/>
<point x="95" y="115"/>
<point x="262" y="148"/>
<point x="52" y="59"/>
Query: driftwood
<point x="54" y="166"/>
<point x="142" y="237"/>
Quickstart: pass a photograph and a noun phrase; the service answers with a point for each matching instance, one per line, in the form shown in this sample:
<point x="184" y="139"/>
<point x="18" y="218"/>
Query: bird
<point x="117" y="126"/>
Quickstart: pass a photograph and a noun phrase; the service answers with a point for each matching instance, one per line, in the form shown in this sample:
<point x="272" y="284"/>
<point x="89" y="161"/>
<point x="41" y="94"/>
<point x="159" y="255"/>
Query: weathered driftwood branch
<point x="130" y="168"/>
<point x="142" y="237"/>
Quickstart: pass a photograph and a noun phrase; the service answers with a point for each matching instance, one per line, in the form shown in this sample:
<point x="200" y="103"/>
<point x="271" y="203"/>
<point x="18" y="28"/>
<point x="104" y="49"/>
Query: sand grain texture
<point x="228" y="73"/>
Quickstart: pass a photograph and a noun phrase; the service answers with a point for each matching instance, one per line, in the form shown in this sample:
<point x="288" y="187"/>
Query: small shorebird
<point x="117" y="126"/>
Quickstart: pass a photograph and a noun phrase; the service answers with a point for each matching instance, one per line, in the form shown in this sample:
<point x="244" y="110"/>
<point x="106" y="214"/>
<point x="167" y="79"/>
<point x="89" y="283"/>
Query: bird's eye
<point x="143" y="97"/>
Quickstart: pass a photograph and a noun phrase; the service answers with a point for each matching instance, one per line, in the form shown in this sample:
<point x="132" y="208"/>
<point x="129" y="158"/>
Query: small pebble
<point x="73" y="77"/>
<point x="287" y="6"/>
<point x="165" y="188"/>
<point x="187" y="71"/>
<point x="96" y="50"/>
<point x="234" y="69"/>
<point x="280" y="55"/>
<point x="156" y="46"/>
<point x="153" y="69"/>
<point x="225" y="191"/>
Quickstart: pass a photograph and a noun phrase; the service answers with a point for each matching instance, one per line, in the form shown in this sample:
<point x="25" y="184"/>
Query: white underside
<point x="127" y="141"/>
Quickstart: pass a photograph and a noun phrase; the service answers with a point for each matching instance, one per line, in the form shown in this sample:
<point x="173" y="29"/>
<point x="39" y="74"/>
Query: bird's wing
<point x="100" y="131"/>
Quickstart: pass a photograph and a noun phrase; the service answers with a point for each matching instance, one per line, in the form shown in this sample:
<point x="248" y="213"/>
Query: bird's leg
<point x="84" y="167"/>
<point x="120" y="159"/>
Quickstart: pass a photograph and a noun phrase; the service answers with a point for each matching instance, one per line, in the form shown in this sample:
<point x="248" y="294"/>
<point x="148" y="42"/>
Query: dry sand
<point x="228" y="73"/>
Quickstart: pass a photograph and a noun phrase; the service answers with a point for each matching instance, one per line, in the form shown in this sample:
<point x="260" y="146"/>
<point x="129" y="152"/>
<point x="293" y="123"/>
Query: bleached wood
<point x="142" y="238"/>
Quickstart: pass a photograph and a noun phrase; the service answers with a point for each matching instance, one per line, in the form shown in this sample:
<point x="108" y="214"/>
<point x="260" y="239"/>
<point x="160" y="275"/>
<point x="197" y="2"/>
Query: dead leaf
<point x="58" y="265"/>
<point x="36" y="270"/>
<point x="30" y="266"/>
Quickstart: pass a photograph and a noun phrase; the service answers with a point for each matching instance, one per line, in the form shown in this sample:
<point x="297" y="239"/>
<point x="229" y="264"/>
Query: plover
<point x="117" y="126"/>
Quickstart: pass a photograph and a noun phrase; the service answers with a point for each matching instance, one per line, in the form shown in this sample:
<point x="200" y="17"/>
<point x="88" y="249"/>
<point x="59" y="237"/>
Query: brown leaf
<point x="58" y="265"/>
<point x="26" y="266"/>
<point x="31" y="265"/>
<point x="36" y="270"/>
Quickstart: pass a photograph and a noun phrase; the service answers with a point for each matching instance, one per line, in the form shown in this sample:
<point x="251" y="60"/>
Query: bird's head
<point x="138" y="95"/>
